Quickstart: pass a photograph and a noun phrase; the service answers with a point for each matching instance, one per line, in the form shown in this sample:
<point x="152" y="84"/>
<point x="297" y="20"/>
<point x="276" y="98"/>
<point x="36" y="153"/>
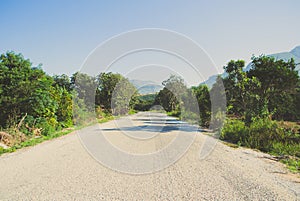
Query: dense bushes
<point x="145" y="102"/>
<point x="264" y="99"/>
<point x="34" y="104"/>
<point x="30" y="100"/>
<point x="234" y="131"/>
<point x="263" y="134"/>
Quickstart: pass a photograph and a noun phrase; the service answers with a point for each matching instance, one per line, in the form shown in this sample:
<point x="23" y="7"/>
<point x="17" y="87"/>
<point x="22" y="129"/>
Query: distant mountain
<point x="146" y="87"/>
<point x="294" y="53"/>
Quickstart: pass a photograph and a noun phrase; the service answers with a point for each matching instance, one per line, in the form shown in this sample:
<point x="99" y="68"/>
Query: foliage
<point x="25" y="90"/>
<point x="203" y="99"/>
<point x="33" y="141"/>
<point x="115" y="93"/>
<point x="144" y="102"/>
<point x="85" y="86"/>
<point x="218" y="104"/>
<point x="124" y="97"/>
<point x="266" y="135"/>
<point x="34" y="105"/>
<point x="64" y="112"/>
<point x="106" y="86"/>
<point x="279" y="80"/>
<point x="267" y="89"/>
<point x="234" y="131"/>
<point x="242" y="99"/>
<point x="170" y="97"/>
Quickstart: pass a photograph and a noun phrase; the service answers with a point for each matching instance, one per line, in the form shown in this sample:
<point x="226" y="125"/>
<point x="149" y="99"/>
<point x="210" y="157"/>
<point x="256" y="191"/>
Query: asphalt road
<point x="143" y="157"/>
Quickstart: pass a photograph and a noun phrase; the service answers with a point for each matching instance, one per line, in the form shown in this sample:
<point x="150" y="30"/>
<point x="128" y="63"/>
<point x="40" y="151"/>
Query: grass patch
<point x="132" y="111"/>
<point x="293" y="164"/>
<point x="232" y="145"/>
<point x="106" y="119"/>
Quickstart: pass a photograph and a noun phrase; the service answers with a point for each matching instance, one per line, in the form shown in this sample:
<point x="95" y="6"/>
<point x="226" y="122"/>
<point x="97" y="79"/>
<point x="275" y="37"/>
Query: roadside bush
<point x="292" y="149"/>
<point x="175" y="113"/>
<point x="234" y="131"/>
<point x="48" y="125"/>
<point x="263" y="132"/>
<point x="81" y="114"/>
<point x="190" y="117"/>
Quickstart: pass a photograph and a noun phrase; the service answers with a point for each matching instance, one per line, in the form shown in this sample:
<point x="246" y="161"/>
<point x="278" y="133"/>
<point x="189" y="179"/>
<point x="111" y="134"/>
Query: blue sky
<point x="61" y="34"/>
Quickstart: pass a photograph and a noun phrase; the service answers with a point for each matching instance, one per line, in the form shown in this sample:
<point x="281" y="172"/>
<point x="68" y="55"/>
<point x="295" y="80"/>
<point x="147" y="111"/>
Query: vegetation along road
<point x="62" y="169"/>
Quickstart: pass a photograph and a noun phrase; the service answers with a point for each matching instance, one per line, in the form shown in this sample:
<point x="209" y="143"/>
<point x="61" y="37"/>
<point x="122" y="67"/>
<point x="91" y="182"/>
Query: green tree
<point x="203" y="98"/>
<point x="62" y="81"/>
<point x="106" y="86"/>
<point x="64" y="112"/>
<point x="115" y="93"/>
<point x="24" y="90"/>
<point x="243" y="99"/>
<point x="124" y="97"/>
<point x="278" y="80"/>
<point x="232" y="83"/>
<point x="63" y="94"/>
<point x="170" y="97"/>
<point x="85" y="87"/>
<point x="218" y="104"/>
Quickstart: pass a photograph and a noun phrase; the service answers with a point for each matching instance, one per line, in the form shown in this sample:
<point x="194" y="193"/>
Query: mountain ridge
<point x="294" y="53"/>
<point x="146" y="86"/>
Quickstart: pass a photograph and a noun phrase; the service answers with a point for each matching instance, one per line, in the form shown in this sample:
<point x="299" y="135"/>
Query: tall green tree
<point x="24" y="90"/>
<point x="115" y="93"/>
<point x="278" y="80"/>
<point x="85" y="87"/>
<point x="170" y="97"/>
<point x="63" y="81"/>
<point x="218" y="104"/>
<point x="106" y="86"/>
<point x="233" y="85"/>
<point x="203" y="98"/>
<point x="124" y="97"/>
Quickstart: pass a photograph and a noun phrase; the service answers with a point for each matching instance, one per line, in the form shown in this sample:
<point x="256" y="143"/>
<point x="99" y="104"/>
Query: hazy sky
<point x="61" y="34"/>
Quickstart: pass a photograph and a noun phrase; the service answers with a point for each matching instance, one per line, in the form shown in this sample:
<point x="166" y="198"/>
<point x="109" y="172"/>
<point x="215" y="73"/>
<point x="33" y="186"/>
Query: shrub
<point x="279" y="148"/>
<point x="263" y="133"/>
<point x="48" y="126"/>
<point x="175" y="113"/>
<point x="234" y="131"/>
<point x="190" y="117"/>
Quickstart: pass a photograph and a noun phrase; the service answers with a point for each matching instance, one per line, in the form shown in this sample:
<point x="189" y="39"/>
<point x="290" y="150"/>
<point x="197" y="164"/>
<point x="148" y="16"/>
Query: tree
<point x="144" y="102"/>
<point x="218" y="104"/>
<point x="15" y="85"/>
<point x="85" y="87"/>
<point x="115" y="93"/>
<point x="106" y="85"/>
<point x="232" y="84"/>
<point x="64" y="112"/>
<point x="170" y="97"/>
<point x="167" y="100"/>
<point x="124" y="97"/>
<point x="62" y="81"/>
<point x="278" y="80"/>
<point x="203" y="98"/>
<point x="24" y="90"/>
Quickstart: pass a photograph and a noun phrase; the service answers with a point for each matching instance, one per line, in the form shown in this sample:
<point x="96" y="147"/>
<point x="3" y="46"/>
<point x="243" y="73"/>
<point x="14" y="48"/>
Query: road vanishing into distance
<point x="146" y="156"/>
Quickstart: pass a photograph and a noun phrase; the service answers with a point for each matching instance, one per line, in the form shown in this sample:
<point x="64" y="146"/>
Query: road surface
<point x="62" y="169"/>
